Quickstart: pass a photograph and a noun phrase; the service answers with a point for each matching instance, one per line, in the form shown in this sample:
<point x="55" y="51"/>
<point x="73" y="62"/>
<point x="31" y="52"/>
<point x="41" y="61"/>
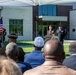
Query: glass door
<point x="44" y="30"/>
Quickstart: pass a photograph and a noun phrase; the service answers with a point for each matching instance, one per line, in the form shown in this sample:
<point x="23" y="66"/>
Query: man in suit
<point x="61" y="34"/>
<point x="71" y="61"/>
<point x="54" y="55"/>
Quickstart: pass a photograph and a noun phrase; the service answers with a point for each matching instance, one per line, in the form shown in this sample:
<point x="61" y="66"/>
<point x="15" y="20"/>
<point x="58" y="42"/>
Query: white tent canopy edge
<point x="32" y="2"/>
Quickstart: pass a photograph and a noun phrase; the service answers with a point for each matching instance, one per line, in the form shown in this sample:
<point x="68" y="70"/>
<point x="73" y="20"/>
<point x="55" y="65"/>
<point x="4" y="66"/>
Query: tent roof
<point x="32" y="2"/>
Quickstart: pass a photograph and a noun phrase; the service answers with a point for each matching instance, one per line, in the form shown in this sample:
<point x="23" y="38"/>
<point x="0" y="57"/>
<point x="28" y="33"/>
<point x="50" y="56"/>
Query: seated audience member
<point x="11" y="52"/>
<point x="54" y="56"/>
<point x="9" y="67"/>
<point x="20" y="54"/>
<point x="12" y="38"/>
<point x="2" y="51"/>
<point x="35" y="58"/>
<point x="71" y="60"/>
<point x="52" y="38"/>
<point x="21" y="63"/>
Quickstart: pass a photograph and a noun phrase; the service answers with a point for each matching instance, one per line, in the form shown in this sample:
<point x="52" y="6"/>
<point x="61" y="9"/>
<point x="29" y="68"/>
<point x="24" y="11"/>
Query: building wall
<point x="73" y="24"/>
<point x="64" y="10"/>
<point x="73" y="4"/>
<point x="24" y="13"/>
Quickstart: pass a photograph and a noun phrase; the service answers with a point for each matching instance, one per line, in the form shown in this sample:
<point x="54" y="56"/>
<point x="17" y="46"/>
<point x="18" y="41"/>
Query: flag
<point x="1" y="24"/>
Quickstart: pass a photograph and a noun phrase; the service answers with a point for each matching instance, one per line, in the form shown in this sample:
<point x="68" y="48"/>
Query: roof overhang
<point x="53" y="18"/>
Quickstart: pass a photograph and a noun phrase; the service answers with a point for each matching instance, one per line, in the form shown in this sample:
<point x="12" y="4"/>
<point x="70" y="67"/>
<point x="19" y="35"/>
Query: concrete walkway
<point x="69" y="40"/>
<point x="31" y="45"/>
<point x="24" y="45"/>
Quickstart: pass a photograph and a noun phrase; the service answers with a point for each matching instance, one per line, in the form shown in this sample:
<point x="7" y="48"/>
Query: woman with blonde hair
<point x="8" y="67"/>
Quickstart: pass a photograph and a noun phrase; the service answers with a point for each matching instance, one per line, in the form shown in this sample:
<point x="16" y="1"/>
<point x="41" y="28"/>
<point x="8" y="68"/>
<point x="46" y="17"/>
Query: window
<point x="39" y="10"/>
<point x="16" y="26"/>
<point x="54" y="10"/>
<point x="47" y="10"/>
<point x="44" y="12"/>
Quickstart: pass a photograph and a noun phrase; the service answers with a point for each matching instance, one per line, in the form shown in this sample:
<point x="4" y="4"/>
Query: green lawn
<point x="66" y="49"/>
<point x="30" y="49"/>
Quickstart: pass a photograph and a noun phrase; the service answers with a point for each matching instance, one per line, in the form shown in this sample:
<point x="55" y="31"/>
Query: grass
<point x="28" y="49"/>
<point x="66" y="49"/>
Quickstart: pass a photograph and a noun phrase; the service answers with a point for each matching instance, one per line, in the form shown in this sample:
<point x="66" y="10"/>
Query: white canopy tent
<point x="32" y="2"/>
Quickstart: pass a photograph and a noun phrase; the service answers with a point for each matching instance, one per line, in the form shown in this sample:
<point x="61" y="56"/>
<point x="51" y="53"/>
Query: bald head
<point x="72" y="48"/>
<point x="54" y="49"/>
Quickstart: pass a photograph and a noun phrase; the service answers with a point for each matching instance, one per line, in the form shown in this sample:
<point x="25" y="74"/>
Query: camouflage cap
<point x="13" y="36"/>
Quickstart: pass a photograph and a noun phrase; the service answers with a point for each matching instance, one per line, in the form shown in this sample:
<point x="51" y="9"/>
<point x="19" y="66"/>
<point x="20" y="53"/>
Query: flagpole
<point x="2" y="39"/>
<point x="1" y="31"/>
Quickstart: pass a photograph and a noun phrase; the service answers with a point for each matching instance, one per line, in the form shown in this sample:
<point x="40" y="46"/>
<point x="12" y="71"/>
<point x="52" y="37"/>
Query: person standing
<point x="61" y="34"/>
<point x="2" y="36"/>
<point x="50" y="33"/>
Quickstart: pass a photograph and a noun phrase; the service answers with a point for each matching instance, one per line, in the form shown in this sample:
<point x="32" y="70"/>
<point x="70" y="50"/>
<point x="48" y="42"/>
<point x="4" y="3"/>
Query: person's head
<point x="11" y="50"/>
<point x="54" y="38"/>
<point x="51" y="38"/>
<point x="9" y="67"/>
<point x="20" y="54"/>
<point x="38" y="43"/>
<point x="12" y="37"/>
<point x="60" y="27"/>
<point x="72" y="48"/>
<point x="53" y="49"/>
<point x="50" y="27"/>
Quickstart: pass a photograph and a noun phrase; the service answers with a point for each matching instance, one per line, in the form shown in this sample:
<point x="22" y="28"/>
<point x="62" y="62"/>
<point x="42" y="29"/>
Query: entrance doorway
<point x="44" y="30"/>
<point x="43" y="27"/>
